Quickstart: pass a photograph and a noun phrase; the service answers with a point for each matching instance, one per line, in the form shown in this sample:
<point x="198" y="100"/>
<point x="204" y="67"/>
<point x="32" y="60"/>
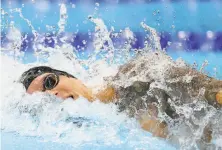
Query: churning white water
<point x="80" y="122"/>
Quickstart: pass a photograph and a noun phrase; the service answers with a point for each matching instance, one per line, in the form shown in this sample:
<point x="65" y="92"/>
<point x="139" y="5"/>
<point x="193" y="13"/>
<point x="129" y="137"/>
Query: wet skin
<point x="71" y="87"/>
<point x="66" y="87"/>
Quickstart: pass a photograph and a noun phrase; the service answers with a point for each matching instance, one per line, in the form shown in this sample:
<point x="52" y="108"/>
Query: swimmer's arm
<point x="148" y="123"/>
<point x="212" y="86"/>
<point x="106" y="95"/>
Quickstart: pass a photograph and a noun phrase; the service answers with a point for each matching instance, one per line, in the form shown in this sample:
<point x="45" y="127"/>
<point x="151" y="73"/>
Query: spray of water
<point x="78" y="122"/>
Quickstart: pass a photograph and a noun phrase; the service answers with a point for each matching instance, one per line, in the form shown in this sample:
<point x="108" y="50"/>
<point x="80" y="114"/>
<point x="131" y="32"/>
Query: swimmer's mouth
<point x="70" y="96"/>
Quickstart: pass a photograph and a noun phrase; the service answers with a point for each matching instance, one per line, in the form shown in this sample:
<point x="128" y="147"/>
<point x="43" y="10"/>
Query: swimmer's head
<point x="29" y="75"/>
<point x="57" y="82"/>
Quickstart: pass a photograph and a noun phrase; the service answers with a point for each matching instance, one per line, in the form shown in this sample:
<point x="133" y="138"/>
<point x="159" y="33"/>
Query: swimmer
<point x="138" y="98"/>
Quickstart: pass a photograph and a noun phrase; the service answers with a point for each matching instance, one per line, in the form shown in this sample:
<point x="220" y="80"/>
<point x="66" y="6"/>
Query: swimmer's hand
<point x="152" y="124"/>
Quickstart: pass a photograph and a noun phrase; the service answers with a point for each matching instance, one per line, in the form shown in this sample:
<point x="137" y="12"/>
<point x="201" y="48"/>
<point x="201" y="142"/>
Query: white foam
<point x="79" y="122"/>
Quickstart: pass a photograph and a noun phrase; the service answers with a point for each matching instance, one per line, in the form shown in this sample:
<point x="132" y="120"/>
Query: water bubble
<point x="155" y="12"/>
<point x="181" y="34"/>
<point x="50" y="28"/>
<point x="169" y="43"/>
<point x="96" y="8"/>
<point x="84" y="42"/>
<point x="90" y="17"/>
<point x="97" y="4"/>
<point x="3" y="12"/>
<point x="215" y="72"/>
<point x="210" y="34"/>
<point x="73" y="6"/>
<point x="112" y="29"/>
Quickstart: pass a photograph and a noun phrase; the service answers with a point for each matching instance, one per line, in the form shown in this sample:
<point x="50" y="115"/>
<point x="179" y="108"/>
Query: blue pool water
<point x="14" y="141"/>
<point x="190" y="30"/>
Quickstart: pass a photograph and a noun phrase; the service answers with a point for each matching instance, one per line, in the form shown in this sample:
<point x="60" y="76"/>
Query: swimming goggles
<point x="50" y="81"/>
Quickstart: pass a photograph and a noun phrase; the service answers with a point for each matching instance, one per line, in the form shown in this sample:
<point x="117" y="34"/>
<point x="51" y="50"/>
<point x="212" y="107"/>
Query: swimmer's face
<point x="60" y="86"/>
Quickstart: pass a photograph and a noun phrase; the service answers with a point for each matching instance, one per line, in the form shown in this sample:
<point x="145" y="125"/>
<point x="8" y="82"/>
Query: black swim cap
<point x="29" y="75"/>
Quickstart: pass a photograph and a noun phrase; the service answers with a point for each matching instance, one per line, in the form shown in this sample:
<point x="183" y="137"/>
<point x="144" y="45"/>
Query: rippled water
<point x="81" y="124"/>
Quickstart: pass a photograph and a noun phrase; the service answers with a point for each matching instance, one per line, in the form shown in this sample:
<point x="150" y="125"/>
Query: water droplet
<point x="181" y="34"/>
<point x="84" y="42"/>
<point x="112" y="29"/>
<point x="97" y="4"/>
<point x="169" y="43"/>
<point x="90" y="17"/>
<point x="210" y="34"/>
<point x="73" y="6"/>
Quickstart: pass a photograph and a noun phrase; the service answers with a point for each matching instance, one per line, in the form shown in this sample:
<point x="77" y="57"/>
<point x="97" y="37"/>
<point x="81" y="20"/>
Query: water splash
<point x="79" y="122"/>
<point x="63" y="18"/>
<point x="153" y="38"/>
<point x="14" y="37"/>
